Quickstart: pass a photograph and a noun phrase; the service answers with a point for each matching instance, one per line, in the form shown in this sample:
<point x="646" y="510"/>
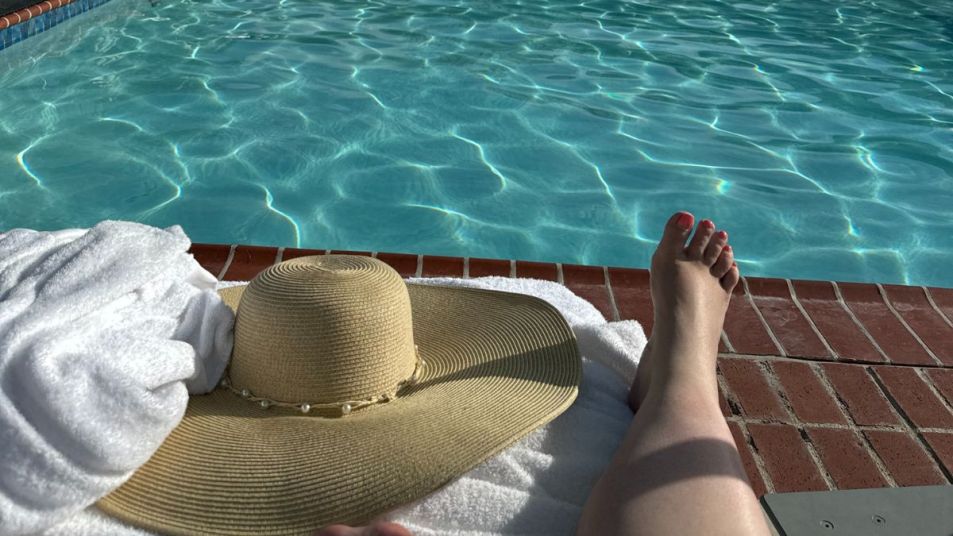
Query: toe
<point x="389" y="529"/>
<point x="723" y="262"/>
<point x="715" y="245"/>
<point x="730" y="279"/>
<point x="337" y="530"/>
<point x="377" y="529"/>
<point x="676" y="232"/>
<point x="696" y="247"/>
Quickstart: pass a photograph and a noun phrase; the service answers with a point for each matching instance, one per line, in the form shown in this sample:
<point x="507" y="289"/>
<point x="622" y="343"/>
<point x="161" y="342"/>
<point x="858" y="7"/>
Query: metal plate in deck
<point x="920" y="511"/>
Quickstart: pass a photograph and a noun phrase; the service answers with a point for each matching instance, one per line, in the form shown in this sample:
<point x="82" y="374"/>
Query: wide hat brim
<point x="498" y="366"/>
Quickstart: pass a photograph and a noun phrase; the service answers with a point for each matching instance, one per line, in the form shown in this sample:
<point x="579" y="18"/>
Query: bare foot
<point x="377" y="529"/>
<point x="691" y="287"/>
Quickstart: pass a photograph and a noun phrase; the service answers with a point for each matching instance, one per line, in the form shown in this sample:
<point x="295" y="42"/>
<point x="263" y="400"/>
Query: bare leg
<point x="677" y="470"/>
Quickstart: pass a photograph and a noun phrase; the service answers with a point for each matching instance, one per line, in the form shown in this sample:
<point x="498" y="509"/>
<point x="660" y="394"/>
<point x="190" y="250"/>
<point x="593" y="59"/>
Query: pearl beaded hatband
<point x="345" y="407"/>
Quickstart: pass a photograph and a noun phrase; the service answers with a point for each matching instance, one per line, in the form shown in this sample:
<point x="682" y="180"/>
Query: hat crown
<point x="323" y="330"/>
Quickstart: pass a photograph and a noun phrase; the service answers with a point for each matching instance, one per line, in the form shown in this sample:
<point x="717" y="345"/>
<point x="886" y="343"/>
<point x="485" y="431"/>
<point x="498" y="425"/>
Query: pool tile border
<point x="477" y="267"/>
<point x="29" y="21"/>
<point x="824" y="385"/>
<point x="435" y="266"/>
<point x="537" y="270"/>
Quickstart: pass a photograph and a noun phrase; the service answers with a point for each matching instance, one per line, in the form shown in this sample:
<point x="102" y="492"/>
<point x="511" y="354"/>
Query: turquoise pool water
<point x="819" y="133"/>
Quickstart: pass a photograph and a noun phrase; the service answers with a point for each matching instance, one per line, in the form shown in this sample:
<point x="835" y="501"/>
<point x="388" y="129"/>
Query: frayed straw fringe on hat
<point x="351" y="393"/>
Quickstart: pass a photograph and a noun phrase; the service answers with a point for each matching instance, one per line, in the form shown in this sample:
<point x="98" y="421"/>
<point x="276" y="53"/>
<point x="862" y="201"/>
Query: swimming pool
<point x="819" y="133"/>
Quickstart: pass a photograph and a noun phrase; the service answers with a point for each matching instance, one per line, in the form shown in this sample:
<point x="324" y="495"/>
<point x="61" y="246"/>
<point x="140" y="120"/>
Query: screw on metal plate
<point x="827" y="524"/>
<point x="879" y="520"/>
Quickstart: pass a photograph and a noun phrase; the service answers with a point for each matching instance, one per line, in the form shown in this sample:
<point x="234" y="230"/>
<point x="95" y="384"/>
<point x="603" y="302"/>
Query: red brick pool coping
<point x="28" y="13"/>
<point x="825" y="385"/>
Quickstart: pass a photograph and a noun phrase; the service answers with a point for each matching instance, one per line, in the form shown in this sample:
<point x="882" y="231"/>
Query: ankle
<point x="692" y="393"/>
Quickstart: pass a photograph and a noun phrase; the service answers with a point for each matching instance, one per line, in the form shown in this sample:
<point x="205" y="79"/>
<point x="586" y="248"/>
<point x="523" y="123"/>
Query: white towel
<point x="101" y="332"/>
<point x="537" y="486"/>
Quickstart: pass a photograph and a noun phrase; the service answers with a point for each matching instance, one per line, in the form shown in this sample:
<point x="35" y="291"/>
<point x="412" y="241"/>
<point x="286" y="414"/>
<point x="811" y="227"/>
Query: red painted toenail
<point x="685" y="221"/>
<point x="727" y="248"/>
<point x="722" y="235"/>
<point x="708" y="224"/>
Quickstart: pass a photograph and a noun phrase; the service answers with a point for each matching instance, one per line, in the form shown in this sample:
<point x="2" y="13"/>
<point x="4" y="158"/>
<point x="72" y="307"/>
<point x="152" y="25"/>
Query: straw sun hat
<point x="350" y="393"/>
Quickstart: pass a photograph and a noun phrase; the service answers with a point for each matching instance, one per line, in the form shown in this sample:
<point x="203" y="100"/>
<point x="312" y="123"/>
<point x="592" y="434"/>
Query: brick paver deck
<point x="824" y="385"/>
